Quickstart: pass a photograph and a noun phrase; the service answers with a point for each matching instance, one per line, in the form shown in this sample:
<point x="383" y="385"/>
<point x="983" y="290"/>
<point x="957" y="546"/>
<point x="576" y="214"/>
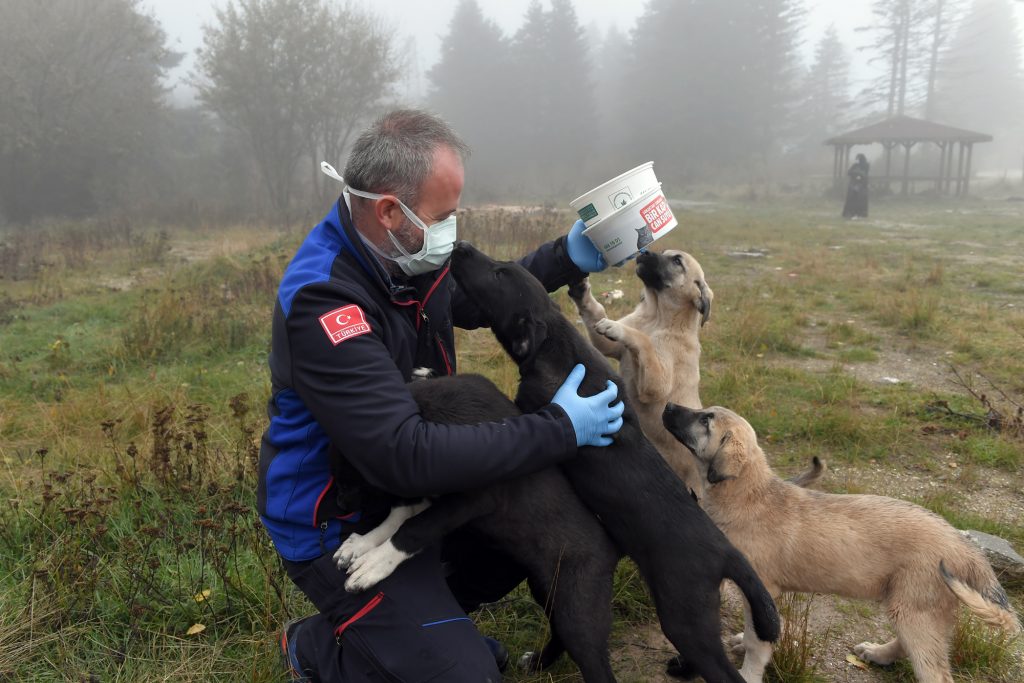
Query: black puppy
<point x="681" y="554"/>
<point x="537" y="519"/>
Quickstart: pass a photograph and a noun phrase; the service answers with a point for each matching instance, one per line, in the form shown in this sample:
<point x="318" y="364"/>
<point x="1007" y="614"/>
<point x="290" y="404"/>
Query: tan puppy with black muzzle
<point x="657" y="345"/>
<point x="857" y="546"/>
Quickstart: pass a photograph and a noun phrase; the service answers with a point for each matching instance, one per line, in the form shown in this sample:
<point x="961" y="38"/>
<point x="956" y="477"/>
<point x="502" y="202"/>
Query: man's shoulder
<point x="319" y="274"/>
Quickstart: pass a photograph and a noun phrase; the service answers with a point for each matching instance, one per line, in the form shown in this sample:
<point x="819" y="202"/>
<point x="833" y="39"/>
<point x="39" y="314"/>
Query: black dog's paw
<point x="578" y="289"/>
<point x="678" y="667"/>
<point x="530" y="663"/>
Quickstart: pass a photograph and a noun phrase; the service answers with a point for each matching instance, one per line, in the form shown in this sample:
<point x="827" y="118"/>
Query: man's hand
<point x="582" y="251"/>
<point x="593" y="420"/>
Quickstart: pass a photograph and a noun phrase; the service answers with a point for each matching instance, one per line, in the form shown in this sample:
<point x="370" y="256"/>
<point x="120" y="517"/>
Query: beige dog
<point x="856" y="546"/>
<point x="657" y="345"/>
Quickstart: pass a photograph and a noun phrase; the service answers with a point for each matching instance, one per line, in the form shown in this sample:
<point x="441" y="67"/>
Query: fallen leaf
<point x="194" y="629"/>
<point x="203" y="595"/>
<point x="857" y="662"/>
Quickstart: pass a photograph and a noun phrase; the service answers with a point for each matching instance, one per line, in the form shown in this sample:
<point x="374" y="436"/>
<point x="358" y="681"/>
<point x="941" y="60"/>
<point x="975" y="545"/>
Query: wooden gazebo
<point x="906" y="132"/>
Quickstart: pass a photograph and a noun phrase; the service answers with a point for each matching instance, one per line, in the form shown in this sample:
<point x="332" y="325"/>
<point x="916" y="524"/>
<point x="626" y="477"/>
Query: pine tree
<point x="980" y="86"/>
<point x="899" y="31"/>
<point x="825" y="108"/>
<point x="554" y="120"/>
<point x="711" y="82"/>
<point x="470" y="87"/>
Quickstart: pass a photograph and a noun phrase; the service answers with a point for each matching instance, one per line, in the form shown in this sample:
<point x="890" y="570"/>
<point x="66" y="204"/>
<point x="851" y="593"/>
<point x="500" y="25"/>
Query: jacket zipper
<point x="316" y="508"/>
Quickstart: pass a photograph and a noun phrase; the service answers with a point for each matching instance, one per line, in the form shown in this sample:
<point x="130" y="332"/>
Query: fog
<point x="175" y="109"/>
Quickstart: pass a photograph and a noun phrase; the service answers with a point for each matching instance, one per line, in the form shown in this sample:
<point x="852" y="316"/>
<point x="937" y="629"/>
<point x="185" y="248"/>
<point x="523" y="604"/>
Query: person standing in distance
<point x="367" y="298"/>
<point x="856" y="205"/>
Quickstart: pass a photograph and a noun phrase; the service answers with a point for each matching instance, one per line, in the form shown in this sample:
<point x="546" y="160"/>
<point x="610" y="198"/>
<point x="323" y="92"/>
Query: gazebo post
<point x="942" y="165"/>
<point x="835" y="167"/>
<point x="949" y="168"/>
<point x="948" y="176"/>
<point x="967" y="170"/>
<point x="888" y="161"/>
<point x="906" y="167"/>
<point x="960" y="171"/>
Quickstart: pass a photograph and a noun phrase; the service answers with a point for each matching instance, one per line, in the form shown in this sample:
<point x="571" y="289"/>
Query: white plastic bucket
<point x="607" y="198"/>
<point x="633" y="227"/>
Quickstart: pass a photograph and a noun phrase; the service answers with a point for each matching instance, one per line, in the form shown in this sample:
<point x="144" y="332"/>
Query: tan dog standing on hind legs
<point x="657" y="345"/>
<point x="857" y="546"/>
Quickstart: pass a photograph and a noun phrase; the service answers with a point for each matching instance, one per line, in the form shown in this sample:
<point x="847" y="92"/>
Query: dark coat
<point x="857" y="191"/>
<point x="345" y="340"/>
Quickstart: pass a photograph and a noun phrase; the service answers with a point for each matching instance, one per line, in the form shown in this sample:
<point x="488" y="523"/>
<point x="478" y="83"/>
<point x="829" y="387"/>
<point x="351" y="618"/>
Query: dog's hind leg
<point x="580" y="615"/>
<point x="756" y="652"/>
<point x="697" y="636"/>
<point x="925" y="637"/>
<point x="535" y="662"/>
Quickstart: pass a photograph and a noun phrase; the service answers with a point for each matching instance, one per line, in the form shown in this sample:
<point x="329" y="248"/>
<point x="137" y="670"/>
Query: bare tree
<point x="943" y="16"/>
<point x="355" y="68"/>
<point x="81" y="98"/>
<point x="897" y="44"/>
<point x="296" y="76"/>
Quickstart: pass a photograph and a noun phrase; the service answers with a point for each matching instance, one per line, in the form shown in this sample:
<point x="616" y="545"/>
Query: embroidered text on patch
<point x="344" y="323"/>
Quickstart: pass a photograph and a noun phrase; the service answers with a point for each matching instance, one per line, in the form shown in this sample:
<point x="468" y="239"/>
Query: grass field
<point x="133" y="382"/>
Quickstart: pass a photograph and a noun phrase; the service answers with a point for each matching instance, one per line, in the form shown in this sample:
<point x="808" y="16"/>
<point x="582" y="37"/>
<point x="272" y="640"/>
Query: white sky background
<point x="425" y="24"/>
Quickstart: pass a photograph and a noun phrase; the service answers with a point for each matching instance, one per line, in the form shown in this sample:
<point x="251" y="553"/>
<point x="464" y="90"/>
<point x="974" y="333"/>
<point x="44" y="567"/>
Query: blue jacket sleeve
<point x="356" y="392"/>
<point x="550" y="264"/>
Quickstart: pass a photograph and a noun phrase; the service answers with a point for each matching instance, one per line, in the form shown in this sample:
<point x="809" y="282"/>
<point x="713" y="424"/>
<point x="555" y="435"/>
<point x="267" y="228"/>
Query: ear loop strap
<point x="329" y="171"/>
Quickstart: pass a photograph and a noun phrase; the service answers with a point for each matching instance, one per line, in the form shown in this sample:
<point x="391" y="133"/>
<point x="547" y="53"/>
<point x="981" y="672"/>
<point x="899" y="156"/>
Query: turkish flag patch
<point x="344" y="323"/>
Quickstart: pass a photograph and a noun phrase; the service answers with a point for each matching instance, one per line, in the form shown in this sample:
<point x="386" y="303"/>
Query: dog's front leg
<point x="653" y="375"/>
<point x="591" y="311"/>
<point x="359" y="544"/>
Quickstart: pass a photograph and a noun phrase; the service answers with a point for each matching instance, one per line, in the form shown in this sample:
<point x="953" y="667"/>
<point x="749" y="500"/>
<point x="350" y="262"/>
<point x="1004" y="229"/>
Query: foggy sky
<point x="426" y="23"/>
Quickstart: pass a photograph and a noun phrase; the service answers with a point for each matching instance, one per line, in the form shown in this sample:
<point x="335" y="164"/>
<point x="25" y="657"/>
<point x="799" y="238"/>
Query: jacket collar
<point x="399" y="289"/>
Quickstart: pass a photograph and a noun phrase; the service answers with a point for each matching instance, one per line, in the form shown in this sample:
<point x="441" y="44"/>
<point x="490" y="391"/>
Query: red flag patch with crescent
<point x="344" y="323"/>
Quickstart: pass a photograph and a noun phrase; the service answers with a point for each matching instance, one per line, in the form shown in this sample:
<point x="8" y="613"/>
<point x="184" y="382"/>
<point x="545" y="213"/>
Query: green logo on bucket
<point x="587" y="212"/>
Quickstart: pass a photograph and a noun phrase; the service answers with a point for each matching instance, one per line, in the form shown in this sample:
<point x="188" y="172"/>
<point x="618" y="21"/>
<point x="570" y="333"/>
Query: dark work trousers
<point x="410" y="627"/>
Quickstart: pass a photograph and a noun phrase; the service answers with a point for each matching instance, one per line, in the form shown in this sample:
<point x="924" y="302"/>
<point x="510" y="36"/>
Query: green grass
<point x="121" y="510"/>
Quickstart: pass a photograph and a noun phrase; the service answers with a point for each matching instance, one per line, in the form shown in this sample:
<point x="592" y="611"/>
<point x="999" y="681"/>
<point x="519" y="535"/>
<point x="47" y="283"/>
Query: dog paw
<point x="736" y="644"/>
<point x="677" y="667"/>
<point x="354" y="546"/>
<point x="530" y="662"/>
<point x="373" y="566"/>
<point x="578" y="290"/>
<point x="610" y="329"/>
<point x="875" y="653"/>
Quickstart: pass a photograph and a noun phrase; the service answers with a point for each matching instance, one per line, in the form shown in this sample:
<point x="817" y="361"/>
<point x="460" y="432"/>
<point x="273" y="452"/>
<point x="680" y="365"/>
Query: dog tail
<point x="992" y="606"/>
<point x="762" y="608"/>
<point x="810" y="476"/>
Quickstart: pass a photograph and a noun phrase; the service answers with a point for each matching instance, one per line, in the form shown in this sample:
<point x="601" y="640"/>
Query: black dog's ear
<point x="528" y="333"/>
<point x="718" y="464"/>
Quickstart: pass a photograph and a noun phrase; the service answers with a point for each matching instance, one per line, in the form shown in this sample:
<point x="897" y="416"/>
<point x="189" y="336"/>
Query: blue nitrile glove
<point x="592" y="418"/>
<point x="582" y="251"/>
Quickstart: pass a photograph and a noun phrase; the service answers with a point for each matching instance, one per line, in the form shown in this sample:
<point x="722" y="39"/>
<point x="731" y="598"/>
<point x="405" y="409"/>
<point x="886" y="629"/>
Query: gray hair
<point x="396" y="154"/>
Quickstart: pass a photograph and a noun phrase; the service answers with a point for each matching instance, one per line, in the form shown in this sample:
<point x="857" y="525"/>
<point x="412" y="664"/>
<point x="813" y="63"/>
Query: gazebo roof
<point x="907" y="129"/>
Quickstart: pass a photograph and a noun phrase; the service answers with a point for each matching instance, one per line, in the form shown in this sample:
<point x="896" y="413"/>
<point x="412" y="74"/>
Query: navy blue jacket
<point x="345" y="339"/>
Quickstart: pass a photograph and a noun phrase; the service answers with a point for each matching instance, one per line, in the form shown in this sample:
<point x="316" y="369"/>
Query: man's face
<point x="439" y="198"/>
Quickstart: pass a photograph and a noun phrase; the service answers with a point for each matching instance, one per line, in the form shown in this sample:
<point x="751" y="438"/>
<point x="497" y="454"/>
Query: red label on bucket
<point x="657" y="214"/>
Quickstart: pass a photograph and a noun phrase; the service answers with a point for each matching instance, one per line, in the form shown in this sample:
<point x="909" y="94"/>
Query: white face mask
<point x="438" y="239"/>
